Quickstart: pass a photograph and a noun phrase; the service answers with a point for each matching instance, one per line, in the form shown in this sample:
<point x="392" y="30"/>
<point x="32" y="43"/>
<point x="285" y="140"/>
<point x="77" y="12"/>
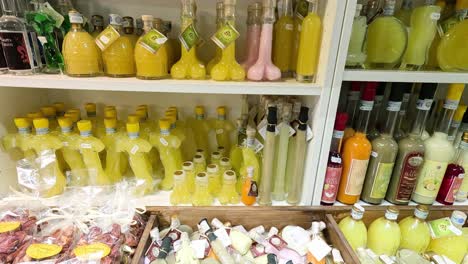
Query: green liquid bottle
<point x="356" y="55"/>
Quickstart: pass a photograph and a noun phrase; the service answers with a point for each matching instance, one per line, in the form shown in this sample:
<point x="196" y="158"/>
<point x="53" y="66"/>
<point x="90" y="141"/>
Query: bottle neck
<point x="336" y="141"/>
<point x="393" y="109"/>
<point x="365" y="109"/>
<point x="445" y="119"/>
<point x="313" y="5"/>
<point x="422" y="110"/>
<point x="230" y="13"/>
<point x="287" y="8"/>
<point x="147" y="25"/>
<point x="351" y="108"/>
<point x="407" y="4"/>
<point x="375" y="111"/>
<point x="8" y="7"/>
<point x="389" y="8"/>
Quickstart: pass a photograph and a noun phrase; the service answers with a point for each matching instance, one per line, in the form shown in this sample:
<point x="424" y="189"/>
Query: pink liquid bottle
<point x="453" y="177"/>
<point x="254" y="29"/>
<point x="264" y="69"/>
<point x="335" y="167"/>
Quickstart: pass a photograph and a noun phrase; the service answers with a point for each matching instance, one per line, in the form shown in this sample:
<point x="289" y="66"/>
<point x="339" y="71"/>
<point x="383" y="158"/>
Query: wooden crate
<point x="249" y="217"/>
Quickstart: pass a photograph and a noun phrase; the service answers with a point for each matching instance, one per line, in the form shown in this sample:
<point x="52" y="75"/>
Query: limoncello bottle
<point x="89" y="147"/>
<point x="383" y="236"/>
<point x="200" y="128"/>
<point x="59" y="108"/>
<point x="113" y="157"/>
<point x="189" y="66"/>
<point x="228" y="194"/>
<point x="356" y="54"/>
<point x="215" y="158"/>
<point x="223" y="129"/>
<point x="284" y="36"/>
<point x="180" y="194"/>
<point x="21" y="141"/>
<point x="50" y="113"/>
<point x="224" y="165"/>
<point x="214" y="179"/>
<point x="250" y="157"/>
<point x="236" y="152"/>
<point x="354" y="229"/>
<point x="199" y="163"/>
<point x="129" y="30"/>
<point x="415" y="233"/>
<point x="249" y="191"/>
<point x="97" y="22"/>
<point x="201" y="196"/>
<point x="219" y="24"/>
<point x="189" y="170"/>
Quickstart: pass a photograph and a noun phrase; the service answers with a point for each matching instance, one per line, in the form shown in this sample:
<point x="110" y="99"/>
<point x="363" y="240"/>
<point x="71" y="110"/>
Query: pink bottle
<point x="254" y="28"/>
<point x="264" y="69"/>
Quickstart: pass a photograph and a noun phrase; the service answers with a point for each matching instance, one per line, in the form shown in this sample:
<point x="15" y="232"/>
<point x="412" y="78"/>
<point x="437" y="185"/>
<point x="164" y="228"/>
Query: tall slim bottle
<point x="384" y="152"/>
<point x="254" y="30"/>
<point x="462" y="194"/>
<point x="438" y="151"/>
<point x="404" y="14"/>
<point x="356" y="151"/>
<point x="374" y="125"/>
<point x="352" y="109"/>
<point x="454" y="127"/>
<point x="266" y="183"/>
<point x="463" y="127"/>
<point x="334" y="167"/>
<point x="97" y="22"/>
<point x="356" y="53"/>
<point x="411" y="151"/>
<point x="282" y="155"/>
<point x="283" y="37"/>
<point x="400" y="129"/>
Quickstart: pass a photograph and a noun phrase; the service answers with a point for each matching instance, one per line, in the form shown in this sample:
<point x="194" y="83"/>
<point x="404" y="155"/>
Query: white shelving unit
<point x="405" y="76"/>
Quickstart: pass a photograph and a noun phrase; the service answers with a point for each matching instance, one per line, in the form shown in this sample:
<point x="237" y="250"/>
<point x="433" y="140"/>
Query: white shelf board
<point x="405" y="76"/>
<point x="411" y="203"/>
<point x="287" y="87"/>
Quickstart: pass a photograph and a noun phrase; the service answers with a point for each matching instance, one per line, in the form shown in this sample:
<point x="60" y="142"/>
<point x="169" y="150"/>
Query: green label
<point x="302" y="9"/>
<point x="153" y="40"/>
<point x="107" y="37"/>
<point x="430" y="178"/>
<point x="189" y="37"/>
<point x="226" y="35"/>
<point x="381" y="180"/>
<point x="442" y="227"/>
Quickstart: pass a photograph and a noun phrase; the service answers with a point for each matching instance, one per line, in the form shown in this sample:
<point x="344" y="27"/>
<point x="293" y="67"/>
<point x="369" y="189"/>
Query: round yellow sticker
<point x="42" y="251"/>
<point x="92" y="251"/>
<point x="9" y="226"/>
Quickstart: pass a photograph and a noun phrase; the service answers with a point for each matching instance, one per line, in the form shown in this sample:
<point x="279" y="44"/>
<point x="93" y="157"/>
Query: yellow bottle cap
<point x="461" y="5"/>
<point x="455" y="91"/>
<point x="133" y="127"/>
<point x="84" y="125"/>
<point x="173" y="108"/>
<point x="221" y="110"/>
<point x="73" y="116"/>
<point x="110" y="107"/>
<point x="164" y="124"/>
<point x="75" y="111"/>
<point x="171" y="117"/>
<point x="133" y="119"/>
<point x="90" y="107"/>
<point x="48" y="111"/>
<point x="41" y="123"/>
<point x="199" y="110"/>
<point x="110" y="122"/>
<point x="59" y="106"/>
<point x="22" y="122"/>
<point x="141" y="113"/>
<point x="34" y="115"/>
<point x="459" y="113"/>
<point x="65" y="122"/>
<point x="110" y="113"/>
<point x="143" y="106"/>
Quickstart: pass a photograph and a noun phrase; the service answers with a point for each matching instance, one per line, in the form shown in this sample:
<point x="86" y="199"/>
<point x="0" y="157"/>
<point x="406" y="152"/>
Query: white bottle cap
<point x="179" y="175"/>
<point x="458" y="218"/>
<point x="188" y="165"/>
<point x="229" y="175"/>
<point x="357" y="212"/>
<point x="115" y="19"/>
<point x="147" y="18"/>
<point x="212" y="168"/>
<point x="225" y="161"/>
<point x="201" y="177"/>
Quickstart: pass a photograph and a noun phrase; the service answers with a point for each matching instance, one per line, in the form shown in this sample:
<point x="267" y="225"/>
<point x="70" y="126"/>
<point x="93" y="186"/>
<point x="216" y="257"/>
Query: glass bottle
<point x="266" y="183"/>
<point x="356" y="151"/>
<point x="383" y="235"/>
<point x="227" y="68"/>
<point x="463" y="127"/>
<point x="200" y="129"/>
<point x="223" y="128"/>
<point x="300" y="12"/>
<point x="384" y="152"/>
<point x="189" y="66"/>
<point x="415" y="233"/>
<point x="456" y="121"/>
<point x="264" y="69"/>
<point x="219" y="24"/>
<point x="283" y="37"/>
<point x="17" y="43"/>
<point x="438" y="151"/>
<point x="180" y="193"/>
<point x="149" y="65"/>
<point x="374" y="125"/>
<point x="199" y="163"/>
<point x="119" y="58"/>
<point x="163" y="251"/>
<point x="214" y="179"/>
<point x="81" y="54"/>
<point x="281" y="158"/>
<point x="190" y="175"/>
<point x="354" y="229"/>
<point x="374" y="8"/>
<point x="334" y="167"/>
<point x="129" y="29"/>
<point x="254" y="30"/>
<point x="202" y="196"/>
<point x="98" y="25"/>
<point x="3" y="62"/>
<point x="249" y="189"/>
<point x="400" y="131"/>
<point x="228" y="193"/>
<point x="386" y="39"/>
<point x="224" y="165"/>
<point x="356" y="53"/>
<point x="404" y="14"/>
<point x="309" y="45"/>
<point x="113" y="158"/>
<point x="64" y="8"/>
<point x="216" y="245"/>
<point x="352" y="109"/>
<point x="462" y="194"/>
<point x="453" y="179"/>
<point x="411" y="151"/>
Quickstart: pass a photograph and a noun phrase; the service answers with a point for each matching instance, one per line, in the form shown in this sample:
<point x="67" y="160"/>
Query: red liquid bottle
<point x="335" y="167"/>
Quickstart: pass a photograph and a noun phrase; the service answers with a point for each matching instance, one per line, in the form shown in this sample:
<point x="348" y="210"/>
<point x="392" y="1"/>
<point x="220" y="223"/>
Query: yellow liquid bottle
<point x="200" y="128"/>
<point x="178" y="132"/>
<point x="309" y="45"/>
<point x="98" y="25"/>
<point x="283" y="38"/>
<point x="89" y="146"/>
<point x="168" y="146"/>
<point x="189" y="170"/>
<point x="50" y="113"/>
<point x="228" y="194"/>
<point x="189" y="66"/>
<point x="224" y="165"/>
<point x="214" y="179"/>
<point x="236" y="152"/>
<point x="415" y="233"/>
<point x="81" y="54"/>
<point x="129" y="30"/>
<point x="201" y="196"/>
<point x="59" y="108"/>
<point x="150" y="65"/>
<point x="227" y="69"/>
<point x="98" y="127"/>
<point x="219" y="24"/>
<point x="19" y="145"/>
<point x="113" y="157"/>
<point x="300" y="12"/>
<point x="223" y="129"/>
<point x="354" y="229"/>
<point x="137" y="150"/>
<point x="199" y="163"/>
<point x="44" y="143"/>
<point x="215" y="158"/>
<point x="451" y="53"/>
<point x="118" y="58"/>
<point x="383" y="235"/>
<point x="250" y="158"/>
<point x="71" y="155"/>
<point x="180" y="194"/>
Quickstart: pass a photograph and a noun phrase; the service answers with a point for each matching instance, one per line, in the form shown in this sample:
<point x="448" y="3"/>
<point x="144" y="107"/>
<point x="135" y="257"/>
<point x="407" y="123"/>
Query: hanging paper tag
<point x="9" y="226"/>
<point x="258" y="146"/>
<point x="309" y="134"/>
<point x="56" y="16"/>
<point x="226" y="35"/>
<point x="318" y="248"/>
<point x="107" y="37"/>
<point x="153" y="40"/>
<point x="93" y="251"/>
<point x="277" y="242"/>
<point x="253" y="190"/>
<point x="443" y="227"/>
<point x="291" y="130"/>
<point x="42" y="251"/>
<point x="189" y="37"/>
<point x="223" y="236"/>
<point x="198" y="247"/>
<point x="302" y="9"/>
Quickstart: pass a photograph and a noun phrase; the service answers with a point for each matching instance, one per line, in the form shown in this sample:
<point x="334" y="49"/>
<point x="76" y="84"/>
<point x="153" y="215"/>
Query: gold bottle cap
<point x="22" y="122"/>
<point x="90" y="107"/>
<point x="133" y="127"/>
<point x="199" y="110"/>
<point x="41" y="123"/>
<point x="48" y="111"/>
<point x="133" y="119"/>
<point x="84" y="125"/>
<point x="34" y="115"/>
<point x="59" y="106"/>
<point x="221" y="111"/>
<point x="110" y="113"/>
<point x="65" y="122"/>
<point x="164" y="124"/>
<point x="110" y="122"/>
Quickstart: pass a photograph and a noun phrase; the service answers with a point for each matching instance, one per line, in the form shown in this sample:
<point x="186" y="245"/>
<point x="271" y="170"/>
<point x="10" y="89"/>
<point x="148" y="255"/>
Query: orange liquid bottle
<point x="246" y="188"/>
<point x="356" y="151"/>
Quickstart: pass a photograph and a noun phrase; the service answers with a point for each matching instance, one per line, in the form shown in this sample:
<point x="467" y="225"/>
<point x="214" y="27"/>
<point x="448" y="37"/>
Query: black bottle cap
<point x="272" y="259"/>
<point x="272" y="115"/>
<point x="381" y="88"/>
<point x="427" y="91"/>
<point x="465" y="117"/>
<point x="396" y="93"/>
<point x="303" y="118"/>
<point x="165" y="247"/>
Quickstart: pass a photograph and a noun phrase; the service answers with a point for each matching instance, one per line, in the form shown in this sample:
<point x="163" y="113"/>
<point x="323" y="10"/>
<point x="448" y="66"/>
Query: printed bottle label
<point x="189" y="37"/>
<point x="430" y="179"/>
<point x="356" y="175"/>
<point x="381" y="180"/>
<point x="153" y="40"/>
<point x="332" y="182"/>
<point x="409" y="172"/>
<point x="15" y="50"/>
<point x="456" y="184"/>
<point x="424" y="105"/>
<point x="32" y="37"/>
<point x="3" y="64"/>
<point x="463" y="191"/>
<point x="225" y="36"/>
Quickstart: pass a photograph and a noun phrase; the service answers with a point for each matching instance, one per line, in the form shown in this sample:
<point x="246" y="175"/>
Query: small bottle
<point x="249" y="190"/>
<point x="215" y="243"/>
<point x="415" y="233"/>
<point x="223" y="129"/>
<point x="201" y="196"/>
<point x="189" y="170"/>
<point x="214" y="179"/>
<point x="50" y="113"/>
<point x="199" y="163"/>
<point x="356" y="53"/>
<point x="383" y="236"/>
<point x="180" y="193"/>
<point x="98" y="25"/>
<point x="354" y="229"/>
<point x="224" y="165"/>
<point x="228" y="194"/>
